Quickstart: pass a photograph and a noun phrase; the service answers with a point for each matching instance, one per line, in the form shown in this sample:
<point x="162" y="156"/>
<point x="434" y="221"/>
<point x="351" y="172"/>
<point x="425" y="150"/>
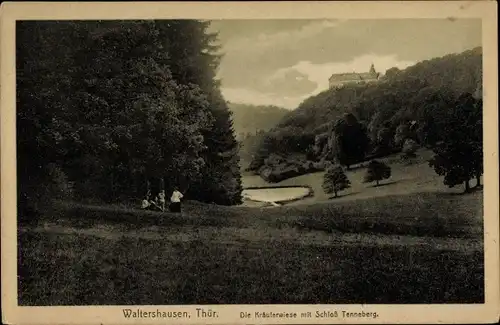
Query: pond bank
<point x="277" y="195"/>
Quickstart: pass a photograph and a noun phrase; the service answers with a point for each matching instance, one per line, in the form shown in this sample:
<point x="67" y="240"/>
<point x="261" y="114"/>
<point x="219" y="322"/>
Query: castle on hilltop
<point x="338" y="80"/>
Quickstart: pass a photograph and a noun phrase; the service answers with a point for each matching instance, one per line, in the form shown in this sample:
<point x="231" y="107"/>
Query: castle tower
<point x="372" y="69"/>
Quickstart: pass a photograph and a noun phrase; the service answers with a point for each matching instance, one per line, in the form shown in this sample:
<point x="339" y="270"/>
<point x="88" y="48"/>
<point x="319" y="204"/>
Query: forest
<point x="433" y="103"/>
<point x="109" y="109"/>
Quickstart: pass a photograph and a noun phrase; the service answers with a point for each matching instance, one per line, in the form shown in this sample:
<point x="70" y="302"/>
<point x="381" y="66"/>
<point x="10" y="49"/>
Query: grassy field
<point x="401" y="249"/>
<point x="410" y="241"/>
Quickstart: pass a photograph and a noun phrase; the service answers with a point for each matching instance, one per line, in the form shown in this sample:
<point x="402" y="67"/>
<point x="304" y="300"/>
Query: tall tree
<point x="350" y="140"/>
<point x="459" y="156"/>
<point x="195" y="59"/>
<point x="107" y="110"/>
<point x="42" y="88"/>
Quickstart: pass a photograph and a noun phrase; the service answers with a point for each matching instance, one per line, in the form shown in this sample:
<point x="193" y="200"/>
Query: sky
<point x="282" y="62"/>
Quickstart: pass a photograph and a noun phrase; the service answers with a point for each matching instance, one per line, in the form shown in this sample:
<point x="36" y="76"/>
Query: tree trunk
<point x="336" y="193"/>
<point x="376" y="181"/>
<point x="478" y="178"/>
<point x="467" y="186"/>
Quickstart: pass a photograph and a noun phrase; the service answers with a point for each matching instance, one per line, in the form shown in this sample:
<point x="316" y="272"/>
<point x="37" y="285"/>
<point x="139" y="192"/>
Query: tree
<point x="459" y="157"/>
<point x="264" y="149"/>
<point x="377" y="171"/>
<point x="431" y="106"/>
<point x="350" y="140"/>
<point x="402" y="133"/>
<point x="194" y="59"/>
<point x="392" y="72"/>
<point x="477" y="138"/>
<point x="335" y="180"/>
<point x="117" y="105"/>
<point x="221" y="181"/>
<point x="385" y="140"/>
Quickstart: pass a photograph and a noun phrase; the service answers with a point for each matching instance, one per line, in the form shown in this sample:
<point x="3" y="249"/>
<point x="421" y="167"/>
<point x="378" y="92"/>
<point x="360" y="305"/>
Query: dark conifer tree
<point x="194" y="59"/>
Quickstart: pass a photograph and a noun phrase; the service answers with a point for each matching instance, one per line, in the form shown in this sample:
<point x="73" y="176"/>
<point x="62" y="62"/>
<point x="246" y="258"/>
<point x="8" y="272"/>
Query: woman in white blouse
<point x="175" y="201"/>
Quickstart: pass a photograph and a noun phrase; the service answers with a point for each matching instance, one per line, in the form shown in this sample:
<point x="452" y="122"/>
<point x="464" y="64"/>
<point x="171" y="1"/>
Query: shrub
<point x="409" y="148"/>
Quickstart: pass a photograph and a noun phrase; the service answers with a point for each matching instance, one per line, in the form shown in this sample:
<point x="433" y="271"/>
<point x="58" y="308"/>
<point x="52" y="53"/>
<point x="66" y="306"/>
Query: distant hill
<point x="458" y="73"/>
<point x="250" y="122"/>
<point x="417" y="93"/>
<point x="253" y="118"/>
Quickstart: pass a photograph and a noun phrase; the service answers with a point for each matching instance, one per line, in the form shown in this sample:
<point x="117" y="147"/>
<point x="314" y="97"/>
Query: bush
<point x="410" y="147"/>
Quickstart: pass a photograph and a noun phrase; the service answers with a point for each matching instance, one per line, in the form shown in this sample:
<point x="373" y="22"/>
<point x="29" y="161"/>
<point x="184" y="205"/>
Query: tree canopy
<point x="460" y="157"/>
<point x="376" y="172"/>
<point x="113" y="105"/>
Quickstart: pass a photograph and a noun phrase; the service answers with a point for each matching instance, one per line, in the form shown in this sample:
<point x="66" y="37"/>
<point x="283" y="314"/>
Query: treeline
<point x="106" y="109"/>
<point x="250" y="123"/>
<point x="250" y="119"/>
<point x="361" y="122"/>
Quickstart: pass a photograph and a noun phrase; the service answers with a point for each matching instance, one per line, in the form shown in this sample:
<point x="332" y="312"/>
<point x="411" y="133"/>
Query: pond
<point x="276" y="194"/>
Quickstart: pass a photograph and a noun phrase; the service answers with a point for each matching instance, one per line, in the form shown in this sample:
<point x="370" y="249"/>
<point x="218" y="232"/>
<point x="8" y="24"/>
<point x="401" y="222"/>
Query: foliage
<point x="350" y="140"/>
<point x="460" y="157"/>
<point x="402" y="133"/>
<point x="221" y="181"/>
<point x="119" y="104"/>
<point x="284" y="141"/>
<point x="414" y="98"/>
<point x="335" y="180"/>
<point x="410" y="147"/>
<point x="250" y="122"/>
<point x="376" y="172"/>
<point x="195" y="59"/>
<point x="384" y="144"/>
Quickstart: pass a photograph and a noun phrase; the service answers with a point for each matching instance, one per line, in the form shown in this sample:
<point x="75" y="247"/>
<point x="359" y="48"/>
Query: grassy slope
<point x="414" y="178"/>
<point x="405" y="248"/>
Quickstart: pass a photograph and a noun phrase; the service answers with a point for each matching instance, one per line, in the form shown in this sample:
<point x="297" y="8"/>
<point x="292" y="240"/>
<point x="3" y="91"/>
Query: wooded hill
<point x="250" y="119"/>
<point x="418" y="94"/>
<point x="250" y="123"/>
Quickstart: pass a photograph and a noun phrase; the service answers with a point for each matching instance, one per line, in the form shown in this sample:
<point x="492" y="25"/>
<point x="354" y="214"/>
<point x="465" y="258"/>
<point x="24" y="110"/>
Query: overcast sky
<point x="282" y="62"/>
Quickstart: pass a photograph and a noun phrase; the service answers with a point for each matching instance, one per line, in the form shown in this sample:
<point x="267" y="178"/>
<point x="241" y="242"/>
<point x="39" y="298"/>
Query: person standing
<point x="175" y="201"/>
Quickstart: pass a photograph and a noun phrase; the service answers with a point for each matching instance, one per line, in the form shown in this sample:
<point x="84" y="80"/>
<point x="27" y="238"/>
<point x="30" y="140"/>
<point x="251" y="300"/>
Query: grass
<point x="413" y="248"/>
<point x="81" y="270"/>
<point x="411" y="241"/>
<point x="419" y="214"/>
<point x="405" y="179"/>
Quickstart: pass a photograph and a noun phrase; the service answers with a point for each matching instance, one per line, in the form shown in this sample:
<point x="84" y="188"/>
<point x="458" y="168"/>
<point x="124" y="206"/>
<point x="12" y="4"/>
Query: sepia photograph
<point x="204" y="161"/>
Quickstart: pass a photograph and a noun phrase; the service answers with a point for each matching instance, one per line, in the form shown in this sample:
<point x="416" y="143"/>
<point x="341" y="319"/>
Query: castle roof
<point x="356" y="76"/>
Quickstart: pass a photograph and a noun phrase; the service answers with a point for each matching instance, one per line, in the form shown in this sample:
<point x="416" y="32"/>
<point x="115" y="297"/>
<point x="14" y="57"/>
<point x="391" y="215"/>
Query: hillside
<point x="248" y="119"/>
<point x="458" y="73"/>
<point x="418" y="94"/>
<point x="250" y="122"/>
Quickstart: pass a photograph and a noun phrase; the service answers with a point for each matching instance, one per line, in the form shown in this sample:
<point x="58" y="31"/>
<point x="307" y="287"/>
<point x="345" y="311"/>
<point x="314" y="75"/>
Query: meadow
<point x="410" y="241"/>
